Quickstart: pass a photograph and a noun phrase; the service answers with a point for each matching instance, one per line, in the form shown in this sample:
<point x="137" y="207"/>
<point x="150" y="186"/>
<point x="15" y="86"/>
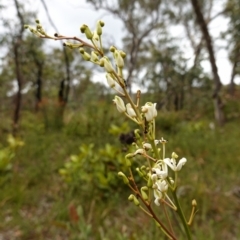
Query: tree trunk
<point x="218" y="106"/>
<point x="17" y="40"/>
<point x="232" y="85"/>
<point x="18" y="96"/>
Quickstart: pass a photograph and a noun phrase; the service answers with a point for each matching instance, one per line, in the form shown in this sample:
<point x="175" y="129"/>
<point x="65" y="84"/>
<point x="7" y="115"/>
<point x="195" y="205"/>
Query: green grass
<point x="35" y="201"/>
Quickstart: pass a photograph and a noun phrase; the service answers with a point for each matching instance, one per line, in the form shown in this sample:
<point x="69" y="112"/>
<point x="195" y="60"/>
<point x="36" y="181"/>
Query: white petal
<point x="168" y="161"/>
<point x="180" y="164"/>
<point x="156" y="201"/>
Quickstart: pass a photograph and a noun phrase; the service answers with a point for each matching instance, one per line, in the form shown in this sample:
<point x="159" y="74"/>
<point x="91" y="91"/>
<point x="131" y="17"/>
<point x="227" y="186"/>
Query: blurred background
<point x="62" y="141"/>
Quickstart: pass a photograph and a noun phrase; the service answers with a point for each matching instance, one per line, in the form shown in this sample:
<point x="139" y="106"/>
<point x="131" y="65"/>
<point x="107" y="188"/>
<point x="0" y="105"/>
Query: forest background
<point x="58" y="175"/>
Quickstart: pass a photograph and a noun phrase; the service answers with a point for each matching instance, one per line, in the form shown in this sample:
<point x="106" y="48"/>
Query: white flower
<point x="149" y="110"/>
<point x="158" y="196"/>
<point x="130" y="110"/>
<point x="160" y="170"/>
<point x="160" y="187"/>
<point x="173" y="165"/>
<point x="163" y="141"/>
<point x="120" y="104"/>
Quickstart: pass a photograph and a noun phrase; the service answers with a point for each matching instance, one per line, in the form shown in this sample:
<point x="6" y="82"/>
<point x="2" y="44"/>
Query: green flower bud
<point x="149" y="182"/>
<point x="82" y="28"/>
<point x="101" y="63"/>
<point x="139" y="172"/>
<point x="84" y="54"/>
<point x="94" y="56"/>
<point x="144" y="194"/>
<point x="135" y="200"/>
<point x="118" y="59"/>
<point x="112" y="49"/>
<point x="100" y="24"/>
<point x="123" y="176"/>
<point x="68" y="44"/>
<point x="131" y="197"/>
<point x="81" y="50"/>
<point x="85" y="29"/>
<point x="123" y="54"/>
<point x="194" y="203"/>
<point x="143" y="169"/>
<point x="107" y="65"/>
<point x="174" y="155"/>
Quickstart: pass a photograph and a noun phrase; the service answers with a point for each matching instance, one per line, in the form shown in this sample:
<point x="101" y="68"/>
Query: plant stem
<point x="181" y="215"/>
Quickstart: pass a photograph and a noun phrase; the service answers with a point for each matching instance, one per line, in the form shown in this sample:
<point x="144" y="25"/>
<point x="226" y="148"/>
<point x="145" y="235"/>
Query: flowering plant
<point x="159" y="183"/>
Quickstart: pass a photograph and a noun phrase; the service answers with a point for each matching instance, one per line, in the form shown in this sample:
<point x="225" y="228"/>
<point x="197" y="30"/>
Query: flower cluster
<point x="160" y="177"/>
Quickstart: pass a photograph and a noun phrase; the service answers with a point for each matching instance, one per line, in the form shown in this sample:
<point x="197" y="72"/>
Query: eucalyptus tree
<point x="12" y="40"/>
<point x="201" y="21"/>
<point x="232" y="12"/>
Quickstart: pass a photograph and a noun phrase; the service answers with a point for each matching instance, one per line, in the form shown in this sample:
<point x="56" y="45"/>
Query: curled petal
<point x="140" y="151"/>
<point x="157" y="201"/>
<point x="181" y="163"/>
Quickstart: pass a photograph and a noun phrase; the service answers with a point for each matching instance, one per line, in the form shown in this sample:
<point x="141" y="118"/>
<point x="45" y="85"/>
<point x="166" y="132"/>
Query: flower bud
<point x="130" y="110"/>
<point x="174" y="155"/>
<point x="149" y="182"/>
<point x="104" y="62"/>
<point x="139" y="172"/>
<point x="100" y="24"/>
<point x="112" y="49"/>
<point x="94" y="56"/>
<point x="110" y="80"/>
<point x="120" y="104"/>
<point x="131" y="197"/>
<point x="194" y="203"/>
<point x="118" y="59"/>
<point x="84" y="54"/>
<point x="123" y="176"/>
<point x="123" y="54"/>
<point x="147" y="146"/>
<point x="144" y="194"/>
<point x="85" y="29"/>
<point x="135" y="200"/>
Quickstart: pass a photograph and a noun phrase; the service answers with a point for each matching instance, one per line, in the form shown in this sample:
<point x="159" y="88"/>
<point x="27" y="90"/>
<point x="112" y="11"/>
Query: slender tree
<point x="16" y="43"/>
<point x="218" y="106"/>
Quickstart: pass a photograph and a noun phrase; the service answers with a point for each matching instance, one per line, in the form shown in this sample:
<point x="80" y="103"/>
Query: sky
<point x="69" y="15"/>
